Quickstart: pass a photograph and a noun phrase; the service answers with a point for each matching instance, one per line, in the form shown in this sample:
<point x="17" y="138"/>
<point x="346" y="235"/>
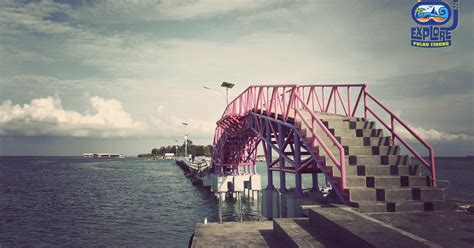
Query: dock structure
<point x="350" y="137"/>
<point x="342" y="226"/>
<point x="224" y="187"/>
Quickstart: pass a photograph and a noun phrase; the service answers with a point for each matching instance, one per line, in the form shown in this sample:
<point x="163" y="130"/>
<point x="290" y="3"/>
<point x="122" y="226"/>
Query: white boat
<point x="88" y="155"/>
<point x="102" y="155"/>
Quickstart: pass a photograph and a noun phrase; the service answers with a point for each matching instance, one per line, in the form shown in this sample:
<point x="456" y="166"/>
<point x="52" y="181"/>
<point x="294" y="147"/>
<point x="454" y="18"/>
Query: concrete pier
<point x="225" y="186"/>
<point x="332" y="225"/>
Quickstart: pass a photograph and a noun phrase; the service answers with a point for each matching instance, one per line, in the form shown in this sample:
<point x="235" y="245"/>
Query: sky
<point x="121" y="76"/>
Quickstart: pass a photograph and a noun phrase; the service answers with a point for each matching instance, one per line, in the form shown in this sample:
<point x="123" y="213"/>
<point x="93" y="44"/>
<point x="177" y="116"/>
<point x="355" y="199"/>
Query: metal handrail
<point x="341" y="163"/>
<point x="395" y="136"/>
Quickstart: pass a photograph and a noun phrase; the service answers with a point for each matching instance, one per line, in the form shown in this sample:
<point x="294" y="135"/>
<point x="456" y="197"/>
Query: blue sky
<point x="122" y="76"/>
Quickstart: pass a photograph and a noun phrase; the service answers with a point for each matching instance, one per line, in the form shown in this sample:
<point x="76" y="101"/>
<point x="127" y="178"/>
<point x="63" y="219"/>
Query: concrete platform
<point x="446" y="228"/>
<point x="343" y="227"/>
<point x="235" y="234"/>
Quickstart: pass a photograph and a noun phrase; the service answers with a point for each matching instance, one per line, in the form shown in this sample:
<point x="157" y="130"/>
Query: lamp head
<point x="227" y="85"/>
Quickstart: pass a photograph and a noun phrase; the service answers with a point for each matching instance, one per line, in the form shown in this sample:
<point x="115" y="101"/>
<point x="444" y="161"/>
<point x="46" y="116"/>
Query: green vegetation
<point x="196" y="150"/>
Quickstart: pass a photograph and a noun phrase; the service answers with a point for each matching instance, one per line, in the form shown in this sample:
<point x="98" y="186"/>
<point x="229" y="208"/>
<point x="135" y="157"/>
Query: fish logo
<point x="431" y="13"/>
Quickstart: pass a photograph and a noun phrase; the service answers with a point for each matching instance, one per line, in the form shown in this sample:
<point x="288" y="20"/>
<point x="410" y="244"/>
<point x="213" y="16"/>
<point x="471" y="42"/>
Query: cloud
<point x="34" y="17"/>
<point x="433" y="84"/>
<point x="121" y="11"/>
<point x="10" y="53"/>
<point x="166" y="125"/>
<point x="106" y="118"/>
<point x="435" y="135"/>
<point x="46" y="116"/>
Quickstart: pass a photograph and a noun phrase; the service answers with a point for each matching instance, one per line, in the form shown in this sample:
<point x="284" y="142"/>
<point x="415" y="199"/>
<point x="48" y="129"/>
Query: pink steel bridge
<point x="284" y="119"/>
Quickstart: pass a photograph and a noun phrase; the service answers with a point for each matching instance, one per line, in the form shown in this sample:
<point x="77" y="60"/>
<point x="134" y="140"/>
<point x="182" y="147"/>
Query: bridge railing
<point x="341" y="99"/>
<point x="279" y="101"/>
<point x="314" y="124"/>
<point x="269" y="98"/>
<point x="284" y="102"/>
<point x="354" y="100"/>
<point x="398" y="129"/>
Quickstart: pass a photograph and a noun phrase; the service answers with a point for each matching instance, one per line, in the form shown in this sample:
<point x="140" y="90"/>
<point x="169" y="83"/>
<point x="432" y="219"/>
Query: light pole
<point x="227" y="86"/>
<point x="185" y="141"/>
<point x="176" y="148"/>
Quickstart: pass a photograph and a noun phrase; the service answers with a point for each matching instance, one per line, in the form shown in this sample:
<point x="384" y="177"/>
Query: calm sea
<point x="50" y="201"/>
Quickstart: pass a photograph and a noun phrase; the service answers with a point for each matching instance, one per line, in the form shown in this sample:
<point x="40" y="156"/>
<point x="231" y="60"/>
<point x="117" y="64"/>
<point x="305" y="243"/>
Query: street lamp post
<point x="176" y="148"/>
<point x="185" y="141"/>
<point x="227" y="86"/>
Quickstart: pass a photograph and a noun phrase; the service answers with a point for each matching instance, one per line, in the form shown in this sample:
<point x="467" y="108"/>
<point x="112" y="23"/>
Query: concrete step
<point x="362" y="194"/>
<point x="374" y="159"/>
<point x="354" y="229"/>
<point x="362" y="150"/>
<point x="349" y="141"/>
<point x="402" y="206"/>
<point x="295" y="232"/>
<point x="345" y="132"/>
<point x="428" y="194"/>
<point x="401" y="194"/>
<point x="350" y="124"/>
<point x="382" y="181"/>
<point x="382" y="170"/>
<point x="377" y="170"/>
<point x="363" y="141"/>
<point x="327" y="116"/>
<point x="330" y="117"/>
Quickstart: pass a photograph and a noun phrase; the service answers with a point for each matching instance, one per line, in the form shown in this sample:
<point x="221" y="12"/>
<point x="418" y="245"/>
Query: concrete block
<point x="398" y="194"/>
<point x="291" y="206"/>
<point x="220" y="183"/>
<point x="355" y="181"/>
<point x="418" y="181"/>
<point x="238" y="182"/>
<point x="370" y="207"/>
<point x="255" y="182"/>
<point x="295" y="233"/>
<point x="362" y="194"/>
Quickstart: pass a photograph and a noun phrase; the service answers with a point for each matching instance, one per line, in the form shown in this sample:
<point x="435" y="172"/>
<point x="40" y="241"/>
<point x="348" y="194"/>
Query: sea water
<point x="59" y="201"/>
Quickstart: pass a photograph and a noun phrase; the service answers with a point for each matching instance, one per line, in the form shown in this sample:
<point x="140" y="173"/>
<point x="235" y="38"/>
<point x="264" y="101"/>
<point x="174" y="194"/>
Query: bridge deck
<point x="235" y="234"/>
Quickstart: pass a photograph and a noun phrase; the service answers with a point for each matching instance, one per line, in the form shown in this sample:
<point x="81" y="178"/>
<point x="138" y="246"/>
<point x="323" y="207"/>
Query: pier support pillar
<point x="270" y="203"/>
<point x="291" y="205"/>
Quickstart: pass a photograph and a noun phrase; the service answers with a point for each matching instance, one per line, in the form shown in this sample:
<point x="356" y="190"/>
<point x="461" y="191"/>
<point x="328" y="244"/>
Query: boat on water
<point x="102" y="155"/>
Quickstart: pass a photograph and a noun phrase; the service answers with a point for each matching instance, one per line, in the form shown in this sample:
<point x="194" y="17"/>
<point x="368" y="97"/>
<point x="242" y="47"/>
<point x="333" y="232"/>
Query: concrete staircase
<point x="379" y="178"/>
<point x="342" y="227"/>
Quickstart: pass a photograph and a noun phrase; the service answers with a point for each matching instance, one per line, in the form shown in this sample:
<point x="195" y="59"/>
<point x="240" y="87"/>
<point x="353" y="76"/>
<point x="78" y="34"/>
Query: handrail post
<point x="365" y="102"/>
<point x="349" y="100"/>
<point x="324" y="100"/>
<point x="342" y="159"/>
<point x="433" y="168"/>
<point x="392" y="124"/>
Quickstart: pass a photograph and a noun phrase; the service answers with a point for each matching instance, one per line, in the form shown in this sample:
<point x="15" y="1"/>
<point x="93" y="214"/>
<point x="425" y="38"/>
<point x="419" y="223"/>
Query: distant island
<point x="196" y="150"/>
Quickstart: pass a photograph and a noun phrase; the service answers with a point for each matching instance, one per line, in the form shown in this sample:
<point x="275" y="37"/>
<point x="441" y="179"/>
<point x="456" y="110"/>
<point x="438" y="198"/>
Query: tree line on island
<point x="196" y="150"/>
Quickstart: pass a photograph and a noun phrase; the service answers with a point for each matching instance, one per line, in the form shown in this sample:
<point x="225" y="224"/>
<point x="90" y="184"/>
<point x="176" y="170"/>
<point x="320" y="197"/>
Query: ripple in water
<point x="126" y="202"/>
